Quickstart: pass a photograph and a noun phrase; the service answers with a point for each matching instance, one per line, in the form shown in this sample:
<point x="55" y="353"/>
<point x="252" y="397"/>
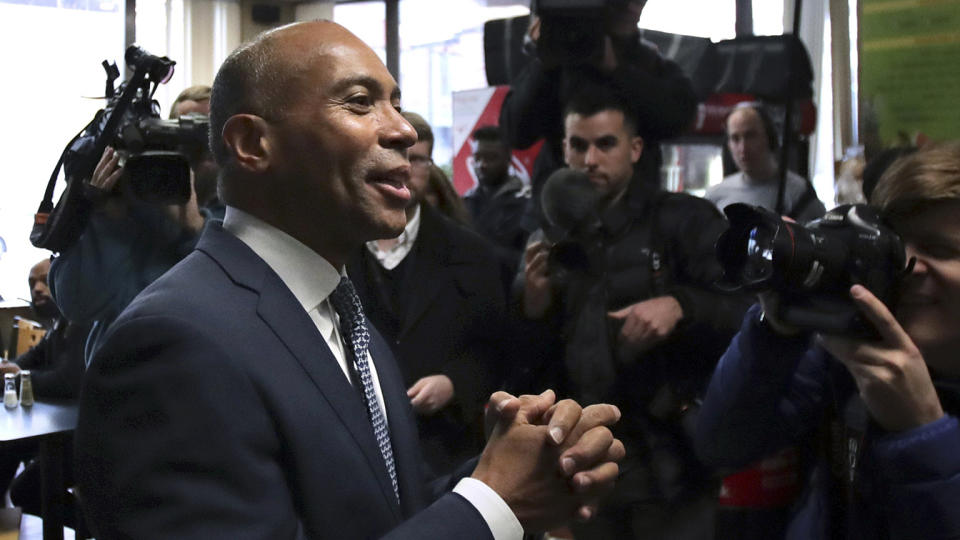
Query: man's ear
<point x="566" y="151"/>
<point x="636" y="148"/>
<point x="246" y="136"/>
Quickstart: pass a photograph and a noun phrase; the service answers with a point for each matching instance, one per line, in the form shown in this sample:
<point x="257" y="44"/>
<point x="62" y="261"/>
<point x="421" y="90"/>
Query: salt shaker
<point x="10" y="391"/>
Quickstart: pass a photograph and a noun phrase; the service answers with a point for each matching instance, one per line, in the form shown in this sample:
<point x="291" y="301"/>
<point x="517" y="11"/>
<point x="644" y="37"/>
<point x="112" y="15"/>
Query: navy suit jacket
<point x="214" y="409"/>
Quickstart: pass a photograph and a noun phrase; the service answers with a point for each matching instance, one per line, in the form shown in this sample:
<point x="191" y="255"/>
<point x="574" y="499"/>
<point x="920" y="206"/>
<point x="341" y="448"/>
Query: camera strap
<point x="806" y="199"/>
<point x="845" y="432"/>
<point x="655" y="246"/>
<point x="53" y="226"/>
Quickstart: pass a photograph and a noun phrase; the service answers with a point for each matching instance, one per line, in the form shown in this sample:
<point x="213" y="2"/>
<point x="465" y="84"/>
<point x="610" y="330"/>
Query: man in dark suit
<point x="435" y="293"/>
<point x="242" y="395"/>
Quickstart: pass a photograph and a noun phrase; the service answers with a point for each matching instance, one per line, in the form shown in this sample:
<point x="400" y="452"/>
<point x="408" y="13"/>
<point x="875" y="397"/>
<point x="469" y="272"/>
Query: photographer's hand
<point x="107" y="172"/>
<point x="102" y="186"/>
<point x="647" y="323"/>
<point x="891" y="374"/>
<point x="537" y="294"/>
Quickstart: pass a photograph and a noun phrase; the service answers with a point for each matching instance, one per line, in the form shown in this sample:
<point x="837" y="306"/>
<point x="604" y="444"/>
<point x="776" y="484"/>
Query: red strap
<point x="771" y="482"/>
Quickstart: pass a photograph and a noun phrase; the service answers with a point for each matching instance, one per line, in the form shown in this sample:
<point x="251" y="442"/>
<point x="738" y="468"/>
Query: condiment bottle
<point x="26" y="388"/>
<point x="10" y="391"/>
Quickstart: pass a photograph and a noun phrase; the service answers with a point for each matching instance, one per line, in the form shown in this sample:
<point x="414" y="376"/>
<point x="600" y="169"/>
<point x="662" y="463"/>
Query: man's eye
<point x="606" y="143"/>
<point x="940" y="250"/>
<point x="360" y="100"/>
<point x="578" y="145"/>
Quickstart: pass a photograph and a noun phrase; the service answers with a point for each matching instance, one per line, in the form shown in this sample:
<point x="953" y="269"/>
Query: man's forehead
<point x="744" y="119"/>
<point x="608" y="121"/>
<point x="40" y="268"/>
<point x="328" y="51"/>
<point x="490" y="146"/>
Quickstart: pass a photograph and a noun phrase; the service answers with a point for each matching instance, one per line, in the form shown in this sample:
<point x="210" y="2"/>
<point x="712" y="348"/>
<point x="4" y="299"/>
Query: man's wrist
<point x="502" y="522"/>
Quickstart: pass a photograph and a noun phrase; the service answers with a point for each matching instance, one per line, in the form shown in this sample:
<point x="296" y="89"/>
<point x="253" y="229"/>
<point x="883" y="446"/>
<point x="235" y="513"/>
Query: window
<point x="51" y="64"/>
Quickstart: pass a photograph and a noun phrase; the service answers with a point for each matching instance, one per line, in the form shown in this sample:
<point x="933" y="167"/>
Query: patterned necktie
<point x="347" y="304"/>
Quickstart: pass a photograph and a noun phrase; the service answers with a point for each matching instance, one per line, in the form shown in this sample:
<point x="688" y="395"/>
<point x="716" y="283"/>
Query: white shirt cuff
<point x="503" y="524"/>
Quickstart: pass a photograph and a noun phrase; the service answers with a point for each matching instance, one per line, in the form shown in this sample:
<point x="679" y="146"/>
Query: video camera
<point x="155" y="152"/>
<point x="812" y="267"/>
<point x="572" y="31"/>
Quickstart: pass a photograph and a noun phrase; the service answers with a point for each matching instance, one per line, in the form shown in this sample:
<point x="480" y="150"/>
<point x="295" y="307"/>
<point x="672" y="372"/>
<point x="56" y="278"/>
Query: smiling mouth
<point x="393" y="183"/>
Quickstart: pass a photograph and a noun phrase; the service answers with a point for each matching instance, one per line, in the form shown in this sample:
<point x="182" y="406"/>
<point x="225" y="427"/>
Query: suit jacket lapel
<point x="280" y="310"/>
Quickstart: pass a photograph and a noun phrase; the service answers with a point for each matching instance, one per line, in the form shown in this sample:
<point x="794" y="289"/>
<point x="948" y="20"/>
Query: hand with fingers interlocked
<point x="549" y="461"/>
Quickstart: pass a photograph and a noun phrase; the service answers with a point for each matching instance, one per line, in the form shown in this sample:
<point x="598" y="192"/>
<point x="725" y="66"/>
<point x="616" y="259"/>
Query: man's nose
<point x="593" y="154"/>
<point x="397" y="132"/>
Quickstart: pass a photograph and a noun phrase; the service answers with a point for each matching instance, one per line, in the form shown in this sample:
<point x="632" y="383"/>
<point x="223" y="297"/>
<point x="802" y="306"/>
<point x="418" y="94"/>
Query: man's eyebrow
<point x="367" y="81"/>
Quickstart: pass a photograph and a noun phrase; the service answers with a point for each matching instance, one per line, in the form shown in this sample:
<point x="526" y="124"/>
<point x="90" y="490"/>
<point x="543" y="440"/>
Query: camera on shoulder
<point x="155" y="152"/>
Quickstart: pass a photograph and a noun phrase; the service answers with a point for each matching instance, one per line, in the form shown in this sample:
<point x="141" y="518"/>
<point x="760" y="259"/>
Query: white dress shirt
<point x="390" y="258"/>
<point x="311" y="279"/>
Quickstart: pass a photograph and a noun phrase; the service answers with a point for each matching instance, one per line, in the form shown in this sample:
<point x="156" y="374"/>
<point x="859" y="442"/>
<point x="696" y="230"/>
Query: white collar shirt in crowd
<point x="390" y="258"/>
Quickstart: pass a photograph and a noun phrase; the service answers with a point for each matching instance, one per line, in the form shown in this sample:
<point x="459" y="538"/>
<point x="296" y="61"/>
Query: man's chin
<point x="392" y="226"/>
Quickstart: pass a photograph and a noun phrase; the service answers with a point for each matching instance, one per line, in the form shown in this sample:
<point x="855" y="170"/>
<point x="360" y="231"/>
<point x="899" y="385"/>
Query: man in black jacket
<point x="436" y="294"/>
<point x="499" y="201"/>
<point x="632" y="323"/>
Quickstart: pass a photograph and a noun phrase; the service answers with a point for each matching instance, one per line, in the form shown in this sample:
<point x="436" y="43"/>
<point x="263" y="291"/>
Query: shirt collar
<point x="310" y="277"/>
<point x="392" y="257"/>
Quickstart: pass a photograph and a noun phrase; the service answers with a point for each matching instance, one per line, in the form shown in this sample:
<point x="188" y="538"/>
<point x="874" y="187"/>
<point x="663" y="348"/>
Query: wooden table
<point x="50" y="424"/>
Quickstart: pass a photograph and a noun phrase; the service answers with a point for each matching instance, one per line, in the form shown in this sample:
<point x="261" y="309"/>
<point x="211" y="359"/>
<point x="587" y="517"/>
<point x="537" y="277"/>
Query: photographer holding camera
<point x="576" y="49"/>
<point x="128" y="241"/>
<point x="872" y="409"/>
<point x="615" y="287"/>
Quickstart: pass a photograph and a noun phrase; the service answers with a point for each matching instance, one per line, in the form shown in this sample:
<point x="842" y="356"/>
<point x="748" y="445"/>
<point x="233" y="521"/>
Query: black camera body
<point x="158" y="153"/>
<point x="812" y="267"/>
<point x="572" y="31"/>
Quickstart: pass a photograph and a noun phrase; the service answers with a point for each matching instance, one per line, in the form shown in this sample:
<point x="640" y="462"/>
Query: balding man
<point x="752" y="142"/>
<point x="244" y="395"/>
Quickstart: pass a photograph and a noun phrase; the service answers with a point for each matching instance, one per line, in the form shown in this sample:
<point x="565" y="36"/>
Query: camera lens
<point x="759" y="261"/>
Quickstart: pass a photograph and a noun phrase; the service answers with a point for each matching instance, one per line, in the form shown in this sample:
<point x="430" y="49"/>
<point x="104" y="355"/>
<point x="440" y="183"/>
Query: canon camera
<point x="812" y="267"/>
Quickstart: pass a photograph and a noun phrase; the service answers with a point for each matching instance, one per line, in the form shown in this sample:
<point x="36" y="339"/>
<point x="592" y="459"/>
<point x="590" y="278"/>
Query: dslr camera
<point x="812" y="267"/>
<point x="155" y="153"/>
<point x="572" y="31"/>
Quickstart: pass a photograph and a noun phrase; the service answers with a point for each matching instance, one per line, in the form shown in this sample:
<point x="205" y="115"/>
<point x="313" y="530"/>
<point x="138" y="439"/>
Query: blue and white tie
<point x="354" y="327"/>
